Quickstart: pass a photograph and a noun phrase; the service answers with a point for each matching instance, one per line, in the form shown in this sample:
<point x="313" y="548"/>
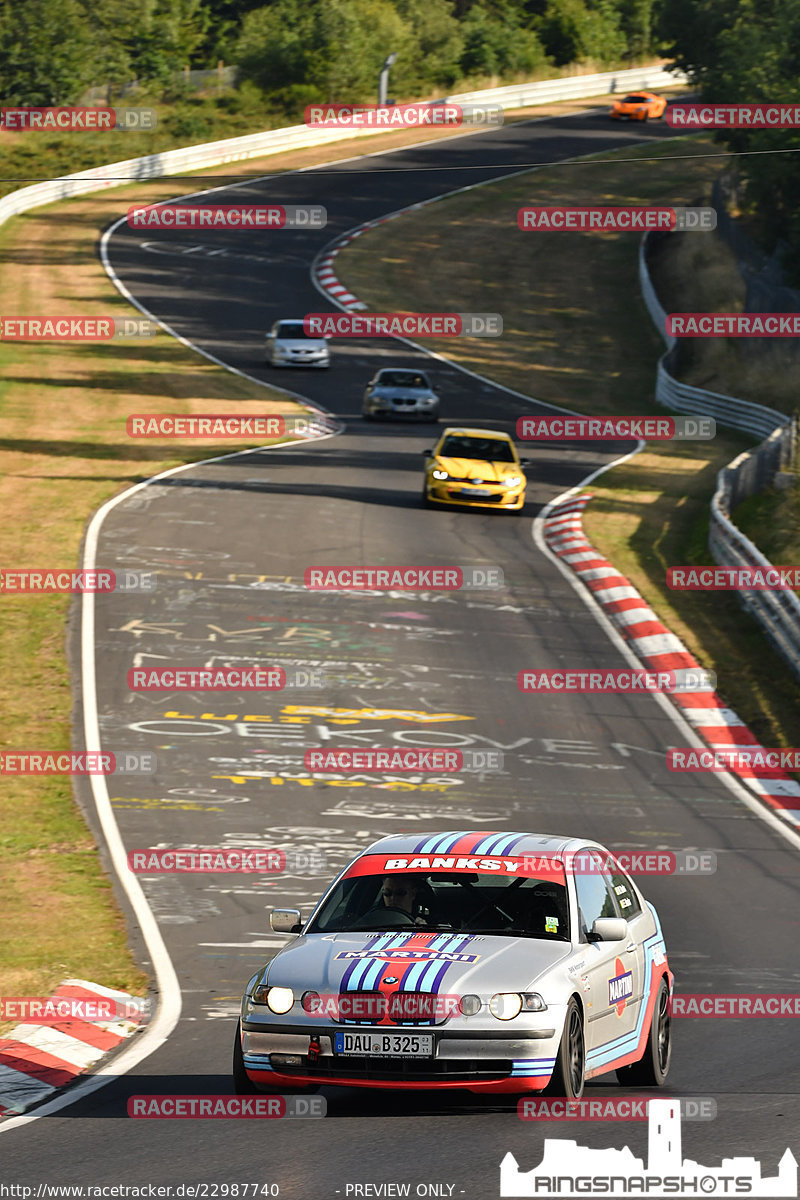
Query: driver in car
<point x="404" y="892"/>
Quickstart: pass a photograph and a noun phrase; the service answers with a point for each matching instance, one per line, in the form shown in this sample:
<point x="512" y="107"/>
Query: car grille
<point x="375" y="1002"/>
<point x="496" y="497"/>
<point x="417" y="1069"/>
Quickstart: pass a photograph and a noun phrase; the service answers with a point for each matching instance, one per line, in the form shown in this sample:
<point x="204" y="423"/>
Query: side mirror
<point x="607" y="929"/>
<point x="427" y="453"/>
<point x="526" y="462"/>
<point x="285" y="920"/>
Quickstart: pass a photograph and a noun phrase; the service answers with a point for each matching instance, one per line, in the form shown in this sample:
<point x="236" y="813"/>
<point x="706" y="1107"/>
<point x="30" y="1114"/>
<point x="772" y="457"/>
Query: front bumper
<point x="290" y="360"/>
<point x="389" y="408"/>
<point x="446" y="492"/>
<point x="479" y="1060"/>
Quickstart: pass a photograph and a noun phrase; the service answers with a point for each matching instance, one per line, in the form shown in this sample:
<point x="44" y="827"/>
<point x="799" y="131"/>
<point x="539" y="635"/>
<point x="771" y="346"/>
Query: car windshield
<point x="294" y="329"/>
<point x="486" y="449"/>
<point x="464" y="901"/>
<point x="406" y="379"/>
<point x="636" y="100"/>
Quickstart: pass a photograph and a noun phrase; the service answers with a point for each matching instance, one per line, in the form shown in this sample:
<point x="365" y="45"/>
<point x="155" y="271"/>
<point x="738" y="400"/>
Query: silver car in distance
<point x="400" y="392"/>
<point x="496" y="962"/>
<point x="288" y="345"/>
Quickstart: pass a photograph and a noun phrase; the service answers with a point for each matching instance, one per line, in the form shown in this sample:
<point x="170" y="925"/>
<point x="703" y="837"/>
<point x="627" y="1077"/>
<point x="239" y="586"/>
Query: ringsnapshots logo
<point x="223" y="860"/>
<point x="224" y="426"/>
<point x="406" y="759"/>
<point x="227" y="216"/>
<point x="430" y="114"/>
<point x="400" y="324"/>
<point x="734" y="579"/>
<point x="615" y="429"/>
<point x="567" y="1169"/>
<point x="209" y="1107"/>
<point x="624" y="680"/>
<point x="75" y="329"/>
<point x="402" y="578"/>
<point x="733" y="116"/>
<point x="603" y="219"/>
<point x="77" y="120"/>
<point x="30" y="581"/>
<point x="742" y="325"/>
<point x="74" y="762"/>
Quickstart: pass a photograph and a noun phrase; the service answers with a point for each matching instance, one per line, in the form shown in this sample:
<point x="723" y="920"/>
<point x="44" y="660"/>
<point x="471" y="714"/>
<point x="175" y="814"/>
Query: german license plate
<point x="476" y="491"/>
<point x="384" y="1045"/>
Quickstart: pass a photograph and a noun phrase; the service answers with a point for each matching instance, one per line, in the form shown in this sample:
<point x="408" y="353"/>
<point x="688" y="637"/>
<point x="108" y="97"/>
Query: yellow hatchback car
<point x="475" y="467"/>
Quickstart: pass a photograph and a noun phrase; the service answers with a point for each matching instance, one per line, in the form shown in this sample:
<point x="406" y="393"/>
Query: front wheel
<point x="653" y="1068"/>
<point x="570" y="1070"/>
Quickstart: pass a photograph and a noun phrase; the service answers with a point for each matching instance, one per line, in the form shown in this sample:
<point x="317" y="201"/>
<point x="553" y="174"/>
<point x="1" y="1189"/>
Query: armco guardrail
<point x="756" y="419"/>
<point x="574" y="87"/>
<point x="777" y="612"/>
<point x="296" y="137"/>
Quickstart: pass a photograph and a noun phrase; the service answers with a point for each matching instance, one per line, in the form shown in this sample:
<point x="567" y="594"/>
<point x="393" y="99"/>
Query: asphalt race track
<point x="229" y="541"/>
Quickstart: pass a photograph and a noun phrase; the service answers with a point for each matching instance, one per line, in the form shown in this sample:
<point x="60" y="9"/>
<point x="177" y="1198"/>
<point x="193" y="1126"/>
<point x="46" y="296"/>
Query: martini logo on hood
<point x="410" y="955"/>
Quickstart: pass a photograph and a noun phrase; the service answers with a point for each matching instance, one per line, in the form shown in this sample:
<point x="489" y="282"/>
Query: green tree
<point x="45" y="52"/>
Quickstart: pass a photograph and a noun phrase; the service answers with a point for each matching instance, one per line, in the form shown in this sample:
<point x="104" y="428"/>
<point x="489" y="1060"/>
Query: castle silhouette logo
<point x="568" y="1169"/>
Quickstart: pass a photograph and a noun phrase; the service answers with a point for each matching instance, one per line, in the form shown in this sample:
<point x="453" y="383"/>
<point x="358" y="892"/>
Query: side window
<point x="629" y="906"/>
<point x="594" y="898"/>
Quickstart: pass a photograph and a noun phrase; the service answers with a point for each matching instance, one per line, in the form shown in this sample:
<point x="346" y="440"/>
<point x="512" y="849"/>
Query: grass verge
<point x="577" y="333"/>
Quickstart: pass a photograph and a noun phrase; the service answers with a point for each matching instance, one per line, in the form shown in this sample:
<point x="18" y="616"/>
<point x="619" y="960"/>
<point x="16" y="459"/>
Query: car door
<point x="611" y="974"/>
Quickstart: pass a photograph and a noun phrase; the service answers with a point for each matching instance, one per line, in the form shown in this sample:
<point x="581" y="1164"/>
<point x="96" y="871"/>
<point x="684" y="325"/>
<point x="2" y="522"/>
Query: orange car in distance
<point x="639" y="106"/>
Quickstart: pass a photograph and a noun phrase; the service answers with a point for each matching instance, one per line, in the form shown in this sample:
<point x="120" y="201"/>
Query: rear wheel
<point x="570" y="1069"/>
<point x="653" y="1068"/>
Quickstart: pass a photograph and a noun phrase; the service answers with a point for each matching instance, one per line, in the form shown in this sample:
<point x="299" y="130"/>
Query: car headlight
<point x="512" y="480"/>
<point x="507" y="1005"/>
<point x="277" y="999"/>
<point x="439" y="474"/>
